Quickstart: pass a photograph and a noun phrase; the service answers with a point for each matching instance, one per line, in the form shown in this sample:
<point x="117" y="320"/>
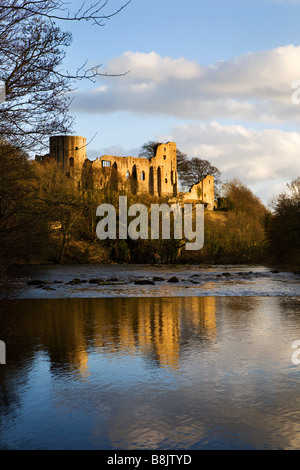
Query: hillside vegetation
<point x="46" y="218"/>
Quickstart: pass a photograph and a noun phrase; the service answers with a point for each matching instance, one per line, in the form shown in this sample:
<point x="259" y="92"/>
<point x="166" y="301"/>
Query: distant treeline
<point x="46" y="218"/>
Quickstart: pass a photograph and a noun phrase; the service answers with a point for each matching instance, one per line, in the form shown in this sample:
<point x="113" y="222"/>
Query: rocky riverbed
<point x="61" y="281"/>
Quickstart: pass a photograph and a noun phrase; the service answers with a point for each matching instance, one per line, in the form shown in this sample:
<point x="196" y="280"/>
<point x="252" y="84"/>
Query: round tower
<point x="68" y="150"/>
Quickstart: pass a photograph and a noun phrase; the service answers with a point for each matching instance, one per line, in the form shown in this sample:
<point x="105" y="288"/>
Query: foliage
<point x="196" y="169"/>
<point x="23" y="228"/>
<point x="236" y="235"/>
<point x="62" y="202"/>
<point x="54" y="220"/>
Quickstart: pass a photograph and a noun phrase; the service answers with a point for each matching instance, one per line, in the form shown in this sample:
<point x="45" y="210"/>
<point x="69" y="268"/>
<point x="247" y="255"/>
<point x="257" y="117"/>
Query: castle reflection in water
<point x="69" y="329"/>
<point x="155" y="373"/>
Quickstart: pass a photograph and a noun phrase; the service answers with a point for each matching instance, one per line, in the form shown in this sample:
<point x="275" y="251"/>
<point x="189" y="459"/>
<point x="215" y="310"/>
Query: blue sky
<point x="215" y="77"/>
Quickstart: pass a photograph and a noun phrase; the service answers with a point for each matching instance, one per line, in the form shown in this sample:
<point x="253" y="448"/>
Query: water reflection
<point x="67" y="328"/>
<point x="150" y="373"/>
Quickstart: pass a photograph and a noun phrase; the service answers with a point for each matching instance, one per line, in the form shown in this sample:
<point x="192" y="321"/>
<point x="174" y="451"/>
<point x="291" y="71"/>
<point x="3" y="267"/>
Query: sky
<point x="221" y="79"/>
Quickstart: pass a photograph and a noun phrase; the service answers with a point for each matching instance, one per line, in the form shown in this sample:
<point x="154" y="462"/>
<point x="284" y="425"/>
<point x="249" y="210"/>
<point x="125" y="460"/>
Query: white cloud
<point x="153" y="67"/>
<point x="265" y="160"/>
<point x="256" y="86"/>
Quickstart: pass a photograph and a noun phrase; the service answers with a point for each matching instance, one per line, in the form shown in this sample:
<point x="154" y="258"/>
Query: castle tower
<point x="165" y="170"/>
<point x="69" y="151"/>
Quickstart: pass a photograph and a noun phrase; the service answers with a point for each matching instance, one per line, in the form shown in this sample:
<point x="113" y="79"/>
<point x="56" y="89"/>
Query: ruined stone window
<point x="143" y="176"/>
<point x="166" y="180"/>
<point x="76" y="148"/>
<point x="127" y="174"/>
<point x="105" y="163"/>
<point x="165" y="157"/>
<point x="71" y="161"/>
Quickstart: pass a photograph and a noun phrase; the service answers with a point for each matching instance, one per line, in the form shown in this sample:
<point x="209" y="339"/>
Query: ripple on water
<point x="144" y="281"/>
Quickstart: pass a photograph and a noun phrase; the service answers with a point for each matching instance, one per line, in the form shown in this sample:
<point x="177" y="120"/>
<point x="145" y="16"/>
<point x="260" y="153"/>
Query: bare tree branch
<point x="58" y="10"/>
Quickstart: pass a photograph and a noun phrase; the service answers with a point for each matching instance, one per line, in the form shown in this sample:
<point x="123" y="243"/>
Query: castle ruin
<point x="155" y="176"/>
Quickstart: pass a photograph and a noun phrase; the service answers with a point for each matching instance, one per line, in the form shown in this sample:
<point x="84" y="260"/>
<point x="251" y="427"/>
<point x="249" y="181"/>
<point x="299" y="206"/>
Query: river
<point x="201" y="362"/>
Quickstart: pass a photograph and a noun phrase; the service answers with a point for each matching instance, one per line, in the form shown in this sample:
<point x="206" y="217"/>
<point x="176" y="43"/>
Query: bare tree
<point x="36" y="93"/>
<point x="15" y="11"/>
<point x="148" y="150"/>
<point x="196" y="169"/>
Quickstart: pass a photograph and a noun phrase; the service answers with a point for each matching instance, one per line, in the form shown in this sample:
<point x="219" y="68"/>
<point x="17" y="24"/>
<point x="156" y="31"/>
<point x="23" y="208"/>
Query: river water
<point x="202" y="363"/>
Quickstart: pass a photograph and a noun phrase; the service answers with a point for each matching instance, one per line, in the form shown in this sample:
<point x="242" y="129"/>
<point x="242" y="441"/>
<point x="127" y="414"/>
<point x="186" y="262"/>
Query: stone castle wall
<point x="156" y="176"/>
<point x="203" y="191"/>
